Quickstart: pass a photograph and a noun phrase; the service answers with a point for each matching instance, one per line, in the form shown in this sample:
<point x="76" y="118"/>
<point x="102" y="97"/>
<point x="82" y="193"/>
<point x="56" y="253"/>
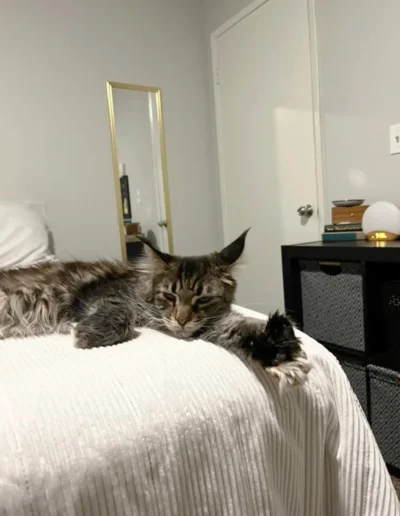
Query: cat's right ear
<point x="153" y="259"/>
<point x="232" y="252"/>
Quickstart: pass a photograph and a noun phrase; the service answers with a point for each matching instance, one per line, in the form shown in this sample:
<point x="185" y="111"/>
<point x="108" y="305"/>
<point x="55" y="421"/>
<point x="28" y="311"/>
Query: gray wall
<point x="54" y="123"/>
<point x="56" y="59"/>
<point x="358" y="53"/>
<point x="220" y="11"/>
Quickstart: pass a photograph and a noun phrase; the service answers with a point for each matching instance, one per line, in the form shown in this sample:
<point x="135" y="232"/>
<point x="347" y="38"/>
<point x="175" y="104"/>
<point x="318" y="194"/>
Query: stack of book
<point x="342" y="232"/>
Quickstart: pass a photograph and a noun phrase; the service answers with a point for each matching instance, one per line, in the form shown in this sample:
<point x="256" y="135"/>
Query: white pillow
<point x="24" y="239"/>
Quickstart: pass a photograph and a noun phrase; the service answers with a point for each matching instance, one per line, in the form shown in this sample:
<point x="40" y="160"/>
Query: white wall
<point x="55" y="145"/>
<point x="358" y="51"/>
<point x="135" y="151"/>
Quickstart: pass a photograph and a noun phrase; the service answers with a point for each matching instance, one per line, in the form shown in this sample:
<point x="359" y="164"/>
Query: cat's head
<point x="189" y="293"/>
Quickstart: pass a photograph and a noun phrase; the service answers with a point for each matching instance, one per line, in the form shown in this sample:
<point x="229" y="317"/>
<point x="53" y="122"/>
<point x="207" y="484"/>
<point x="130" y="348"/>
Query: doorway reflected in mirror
<point x="139" y="162"/>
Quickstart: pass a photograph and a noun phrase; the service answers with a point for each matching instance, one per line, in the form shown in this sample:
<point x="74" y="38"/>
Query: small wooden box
<point x="132" y="228"/>
<point x="353" y="214"/>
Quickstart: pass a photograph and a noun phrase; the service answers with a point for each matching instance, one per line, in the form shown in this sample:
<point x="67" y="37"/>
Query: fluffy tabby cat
<point x="185" y="297"/>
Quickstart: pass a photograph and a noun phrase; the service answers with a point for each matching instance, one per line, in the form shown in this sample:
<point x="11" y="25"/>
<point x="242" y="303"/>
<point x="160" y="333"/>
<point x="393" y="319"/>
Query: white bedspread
<point x="159" y="426"/>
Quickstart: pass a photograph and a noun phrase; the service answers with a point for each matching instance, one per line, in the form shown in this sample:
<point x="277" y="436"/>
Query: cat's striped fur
<point x="186" y="297"/>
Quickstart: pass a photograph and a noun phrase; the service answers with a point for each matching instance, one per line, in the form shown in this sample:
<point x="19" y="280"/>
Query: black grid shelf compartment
<point x="391" y="311"/>
<point x="385" y="412"/>
<point x="333" y="304"/>
<point x="357" y="376"/>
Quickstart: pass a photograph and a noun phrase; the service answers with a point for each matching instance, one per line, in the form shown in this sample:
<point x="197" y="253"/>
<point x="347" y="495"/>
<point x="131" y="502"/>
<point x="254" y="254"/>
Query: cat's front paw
<point x="279" y="351"/>
<point x="83" y="339"/>
<point x="293" y="373"/>
<point x="85" y="336"/>
<point x="88" y="334"/>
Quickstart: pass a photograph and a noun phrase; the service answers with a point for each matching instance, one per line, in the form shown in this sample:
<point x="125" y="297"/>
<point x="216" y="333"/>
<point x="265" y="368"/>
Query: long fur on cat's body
<point x="186" y="297"/>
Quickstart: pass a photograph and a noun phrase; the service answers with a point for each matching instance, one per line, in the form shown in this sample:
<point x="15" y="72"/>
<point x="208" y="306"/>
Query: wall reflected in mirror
<point x="139" y="162"/>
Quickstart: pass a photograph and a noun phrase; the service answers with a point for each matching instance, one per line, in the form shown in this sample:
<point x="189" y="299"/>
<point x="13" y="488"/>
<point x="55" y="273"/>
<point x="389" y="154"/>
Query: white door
<point x="265" y="126"/>
<point x="155" y="130"/>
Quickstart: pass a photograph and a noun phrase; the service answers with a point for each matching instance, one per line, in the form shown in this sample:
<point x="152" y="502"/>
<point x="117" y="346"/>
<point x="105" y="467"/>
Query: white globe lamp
<point x="381" y="221"/>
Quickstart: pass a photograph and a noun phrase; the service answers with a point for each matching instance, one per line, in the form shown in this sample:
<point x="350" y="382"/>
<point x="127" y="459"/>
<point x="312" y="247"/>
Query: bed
<point x="158" y="426"/>
<point x="163" y="427"/>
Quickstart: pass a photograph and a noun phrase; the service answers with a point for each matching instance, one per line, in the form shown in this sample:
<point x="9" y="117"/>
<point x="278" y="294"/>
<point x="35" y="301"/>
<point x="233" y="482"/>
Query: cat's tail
<point x="28" y="312"/>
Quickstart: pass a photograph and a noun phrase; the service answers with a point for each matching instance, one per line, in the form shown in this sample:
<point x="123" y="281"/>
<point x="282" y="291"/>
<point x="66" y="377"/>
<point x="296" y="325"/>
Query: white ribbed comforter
<point x="159" y="426"/>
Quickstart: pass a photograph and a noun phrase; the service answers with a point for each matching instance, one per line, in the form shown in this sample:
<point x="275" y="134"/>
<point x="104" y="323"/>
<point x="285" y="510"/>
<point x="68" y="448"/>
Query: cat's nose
<point x="183" y="316"/>
<point x="182" y="321"/>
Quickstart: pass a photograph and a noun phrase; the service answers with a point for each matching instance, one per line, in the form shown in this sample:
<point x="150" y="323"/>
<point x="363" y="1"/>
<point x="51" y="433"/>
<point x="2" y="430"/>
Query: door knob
<point x="305" y="211"/>
<point x="162" y="223"/>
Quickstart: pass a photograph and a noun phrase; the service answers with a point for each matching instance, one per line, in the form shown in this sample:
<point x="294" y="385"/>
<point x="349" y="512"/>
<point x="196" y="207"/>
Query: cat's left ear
<point x="154" y="258"/>
<point x="232" y="252"/>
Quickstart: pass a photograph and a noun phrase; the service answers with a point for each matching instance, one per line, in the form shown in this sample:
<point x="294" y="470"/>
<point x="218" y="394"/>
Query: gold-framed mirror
<point x="139" y="166"/>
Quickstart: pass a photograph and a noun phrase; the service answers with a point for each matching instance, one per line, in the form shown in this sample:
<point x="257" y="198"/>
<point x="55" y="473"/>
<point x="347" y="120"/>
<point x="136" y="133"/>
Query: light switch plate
<point x="395" y="139"/>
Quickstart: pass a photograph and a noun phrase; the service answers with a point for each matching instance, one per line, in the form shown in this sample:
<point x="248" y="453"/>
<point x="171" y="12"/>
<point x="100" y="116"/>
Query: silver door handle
<point x="305" y="211"/>
<point x="162" y="223"/>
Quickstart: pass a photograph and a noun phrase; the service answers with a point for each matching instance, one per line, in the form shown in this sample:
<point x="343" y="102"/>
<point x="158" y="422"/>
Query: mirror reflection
<point x="139" y="167"/>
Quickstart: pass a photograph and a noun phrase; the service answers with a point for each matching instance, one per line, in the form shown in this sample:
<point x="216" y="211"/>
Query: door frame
<point x="315" y="96"/>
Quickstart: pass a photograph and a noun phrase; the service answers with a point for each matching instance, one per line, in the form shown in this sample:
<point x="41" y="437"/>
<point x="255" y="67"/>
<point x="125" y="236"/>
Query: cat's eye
<point x="203" y="300"/>
<point x="168" y="296"/>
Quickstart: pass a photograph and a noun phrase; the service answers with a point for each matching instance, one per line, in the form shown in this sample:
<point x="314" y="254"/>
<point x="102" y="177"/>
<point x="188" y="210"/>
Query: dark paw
<point x="87" y="336"/>
<point x="278" y="349"/>
<point x="84" y="339"/>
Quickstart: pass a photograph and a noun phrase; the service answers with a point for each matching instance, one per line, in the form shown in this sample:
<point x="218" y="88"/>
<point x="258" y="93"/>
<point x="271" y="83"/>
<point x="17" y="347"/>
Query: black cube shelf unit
<point x="346" y="295"/>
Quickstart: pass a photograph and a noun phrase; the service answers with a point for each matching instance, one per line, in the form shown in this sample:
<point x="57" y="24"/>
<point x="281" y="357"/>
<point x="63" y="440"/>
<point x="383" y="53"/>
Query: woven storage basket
<point x="357" y="376"/>
<point x="385" y="412"/>
<point x="333" y="305"/>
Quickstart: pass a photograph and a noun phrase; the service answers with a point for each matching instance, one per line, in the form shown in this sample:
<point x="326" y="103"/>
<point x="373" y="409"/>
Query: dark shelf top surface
<point x="363" y="244"/>
<point x="359" y="250"/>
